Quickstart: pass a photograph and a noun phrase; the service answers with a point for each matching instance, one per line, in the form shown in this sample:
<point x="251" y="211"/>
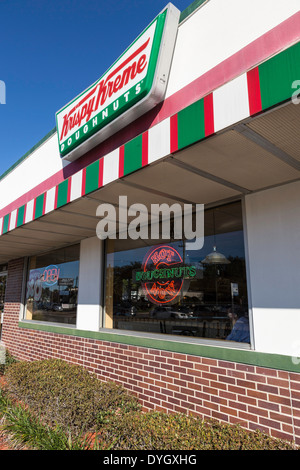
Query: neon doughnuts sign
<point x="163" y="274"/>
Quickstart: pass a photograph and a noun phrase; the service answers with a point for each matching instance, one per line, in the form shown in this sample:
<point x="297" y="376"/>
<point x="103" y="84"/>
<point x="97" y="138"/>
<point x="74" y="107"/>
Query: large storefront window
<point x="52" y="286"/>
<point x="165" y="288"/>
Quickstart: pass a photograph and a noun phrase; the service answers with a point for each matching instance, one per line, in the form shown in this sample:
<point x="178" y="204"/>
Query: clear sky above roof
<point x="50" y="51"/>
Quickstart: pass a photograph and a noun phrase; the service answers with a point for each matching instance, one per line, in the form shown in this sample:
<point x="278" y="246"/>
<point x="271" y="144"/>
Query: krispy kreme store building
<point x="197" y="121"/>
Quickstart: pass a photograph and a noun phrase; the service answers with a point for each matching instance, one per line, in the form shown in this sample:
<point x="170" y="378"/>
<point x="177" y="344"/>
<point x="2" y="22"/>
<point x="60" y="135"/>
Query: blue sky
<point x="51" y="50"/>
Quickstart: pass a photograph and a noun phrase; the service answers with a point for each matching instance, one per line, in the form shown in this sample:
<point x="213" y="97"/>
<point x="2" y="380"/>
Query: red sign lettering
<point x="98" y="95"/>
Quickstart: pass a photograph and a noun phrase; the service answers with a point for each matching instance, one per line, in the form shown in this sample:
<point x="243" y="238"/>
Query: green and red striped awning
<point x="263" y="87"/>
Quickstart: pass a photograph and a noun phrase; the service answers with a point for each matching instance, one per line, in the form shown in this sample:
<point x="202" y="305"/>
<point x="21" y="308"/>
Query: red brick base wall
<point x="13" y="297"/>
<point x="255" y="397"/>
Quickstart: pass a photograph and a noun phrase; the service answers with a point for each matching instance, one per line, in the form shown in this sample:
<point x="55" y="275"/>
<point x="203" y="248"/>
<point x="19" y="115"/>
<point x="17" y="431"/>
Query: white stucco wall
<point x="90" y="284"/>
<point x="41" y="164"/>
<point x="218" y="30"/>
<point x="273" y="232"/>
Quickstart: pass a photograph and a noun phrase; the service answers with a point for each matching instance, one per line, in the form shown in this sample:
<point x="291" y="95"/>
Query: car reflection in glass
<point x="167" y="312"/>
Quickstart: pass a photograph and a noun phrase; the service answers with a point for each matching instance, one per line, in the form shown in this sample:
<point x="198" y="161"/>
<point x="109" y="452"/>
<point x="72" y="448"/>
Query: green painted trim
<point x="39" y="205"/>
<point x="241" y="356"/>
<point x="36" y="146"/>
<point x="157" y="41"/>
<point x="20" y="218"/>
<point x="277" y="75"/>
<point x="5" y="223"/>
<point x="191" y="124"/>
<point x="62" y="193"/>
<point x="190" y="9"/>
<point x="92" y="177"/>
<point x="133" y="155"/>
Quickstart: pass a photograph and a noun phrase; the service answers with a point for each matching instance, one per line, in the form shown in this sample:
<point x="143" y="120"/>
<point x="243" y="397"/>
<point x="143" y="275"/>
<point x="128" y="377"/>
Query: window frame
<point x="187" y="339"/>
<point x="25" y="283"/>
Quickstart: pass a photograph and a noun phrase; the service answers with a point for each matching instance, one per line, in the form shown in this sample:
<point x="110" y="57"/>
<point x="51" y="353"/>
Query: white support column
<point x="89" y="307"/>
<point x="273" y="227"/>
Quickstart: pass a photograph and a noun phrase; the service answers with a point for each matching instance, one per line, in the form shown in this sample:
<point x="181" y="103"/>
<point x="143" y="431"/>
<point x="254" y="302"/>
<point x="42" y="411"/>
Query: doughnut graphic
<point x="163" y="274"/>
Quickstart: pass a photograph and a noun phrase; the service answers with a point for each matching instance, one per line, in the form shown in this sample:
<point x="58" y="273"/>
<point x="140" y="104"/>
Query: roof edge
<point x="29" y="152"/>
<point x="191" y="9"/>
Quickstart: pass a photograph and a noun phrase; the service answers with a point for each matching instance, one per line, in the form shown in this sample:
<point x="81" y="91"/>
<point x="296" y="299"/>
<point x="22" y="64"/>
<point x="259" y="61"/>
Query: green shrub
<point x="65" y="407"/>
<point x="161" y="431"/>
<point x="66" y="395"/>
<point x="9" y="359"/>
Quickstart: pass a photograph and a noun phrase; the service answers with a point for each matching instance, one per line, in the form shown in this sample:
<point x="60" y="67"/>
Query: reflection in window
<point x="165" y="288"/>
<point x="52" y="286"/>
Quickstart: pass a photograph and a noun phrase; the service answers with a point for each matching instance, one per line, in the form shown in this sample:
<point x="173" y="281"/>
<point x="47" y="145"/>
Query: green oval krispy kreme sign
<point x="133" y="84"/>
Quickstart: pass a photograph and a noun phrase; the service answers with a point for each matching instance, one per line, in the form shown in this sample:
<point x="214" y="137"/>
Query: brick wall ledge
<point x="240" y="354"/>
